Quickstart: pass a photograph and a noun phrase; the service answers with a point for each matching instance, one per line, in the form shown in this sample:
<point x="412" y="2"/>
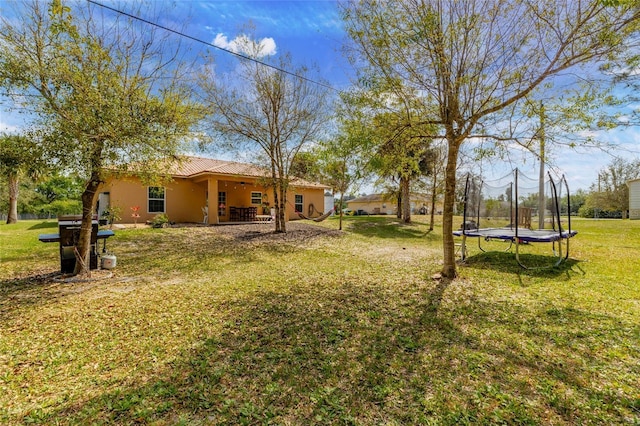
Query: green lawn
<point x="196" y="327"/>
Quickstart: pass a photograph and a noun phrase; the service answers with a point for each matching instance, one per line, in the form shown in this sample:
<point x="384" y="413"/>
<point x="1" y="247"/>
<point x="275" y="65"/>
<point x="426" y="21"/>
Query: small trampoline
<point x="505" y="210"/>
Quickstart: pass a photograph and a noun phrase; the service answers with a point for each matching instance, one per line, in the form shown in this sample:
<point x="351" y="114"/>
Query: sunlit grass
<point x="197" y="328"/>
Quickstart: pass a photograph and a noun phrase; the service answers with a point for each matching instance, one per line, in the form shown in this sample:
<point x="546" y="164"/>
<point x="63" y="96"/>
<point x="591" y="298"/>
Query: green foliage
<point x="60" y="207"/>
<point x="20" y="157"/>
<point x="112" y="214"/>
<point x="60" y="187"/>
<point x="465" y="66"/>
<point x="590" y="211"/>
<point x="305" y="165"/>
<point x="109" y="96"/>
<point x="160" y="221"/>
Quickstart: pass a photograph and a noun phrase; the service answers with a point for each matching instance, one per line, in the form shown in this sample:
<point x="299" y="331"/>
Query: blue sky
<point x="312" y="32"/>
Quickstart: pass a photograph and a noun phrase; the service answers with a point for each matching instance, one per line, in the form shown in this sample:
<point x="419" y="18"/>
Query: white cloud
<point x="242" y="44"/>
<point x="9" y="128"/>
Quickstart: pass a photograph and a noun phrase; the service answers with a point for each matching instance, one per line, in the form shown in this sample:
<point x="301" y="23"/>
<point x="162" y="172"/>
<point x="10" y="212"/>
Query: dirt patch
<point x="297" y="232"/>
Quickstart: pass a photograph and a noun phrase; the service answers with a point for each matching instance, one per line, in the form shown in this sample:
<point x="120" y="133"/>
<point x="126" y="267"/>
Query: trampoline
<point x="503" y="211"/>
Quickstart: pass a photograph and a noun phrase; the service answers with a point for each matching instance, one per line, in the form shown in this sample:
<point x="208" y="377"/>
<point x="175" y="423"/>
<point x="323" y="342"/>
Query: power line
<point x="239" y="55"/>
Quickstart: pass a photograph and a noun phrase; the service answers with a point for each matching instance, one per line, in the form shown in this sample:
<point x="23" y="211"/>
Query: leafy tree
<point x="305" y="165"/>
<point x="401" y="154"/>
<point x="469" y="61"/>
<point x="268" y="111"/>
<point x="611" y="192"/>
<point x="342" y="158"/>
<point x="60" y="187"/>
<point x="109" y="93"/>
<point x="19" y="156"/>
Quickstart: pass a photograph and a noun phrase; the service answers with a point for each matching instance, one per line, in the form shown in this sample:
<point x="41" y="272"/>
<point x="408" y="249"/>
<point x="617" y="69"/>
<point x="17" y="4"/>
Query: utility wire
<point x="236" y="54"/>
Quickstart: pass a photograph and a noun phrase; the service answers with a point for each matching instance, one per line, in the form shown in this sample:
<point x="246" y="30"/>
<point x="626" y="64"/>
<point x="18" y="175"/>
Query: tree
<point x="269" y="111"/>
<point x="306" y="166"/>
<point x="611" y="192"/>
<point x="60" y="187"/>
<point x="108" y="94"/>
<point x="470" y="60"/>
<point x="402" y="154"/>
<point x="436" y="158"/>
<point x="19" y="155"/>
<point x="343" y="157"/>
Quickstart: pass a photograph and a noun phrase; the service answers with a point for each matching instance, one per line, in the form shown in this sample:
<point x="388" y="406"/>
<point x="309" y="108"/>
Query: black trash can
<point x="69" y="230"/>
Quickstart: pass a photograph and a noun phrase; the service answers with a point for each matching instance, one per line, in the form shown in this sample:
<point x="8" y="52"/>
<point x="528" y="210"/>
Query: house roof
<point x="376" y="198"/>
<point x="194" y="166"/>
<point x="371" y="198"/>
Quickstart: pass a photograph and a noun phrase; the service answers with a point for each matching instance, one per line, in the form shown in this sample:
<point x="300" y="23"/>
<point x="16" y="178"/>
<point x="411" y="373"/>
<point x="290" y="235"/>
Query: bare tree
<point x="265" y="109"/>
<point x="471" y="60"/>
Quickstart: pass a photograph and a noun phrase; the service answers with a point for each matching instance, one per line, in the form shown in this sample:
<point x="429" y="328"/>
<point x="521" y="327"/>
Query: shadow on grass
<point x="388" y="228"/>
<point x="540" y="265"/>
<point x="18" y="293"/>
<point x="44" y="225"/>
<point x="351" y="355"/>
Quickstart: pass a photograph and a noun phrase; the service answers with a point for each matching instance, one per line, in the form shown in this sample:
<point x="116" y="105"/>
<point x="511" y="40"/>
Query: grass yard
<point x="218" y="326"/>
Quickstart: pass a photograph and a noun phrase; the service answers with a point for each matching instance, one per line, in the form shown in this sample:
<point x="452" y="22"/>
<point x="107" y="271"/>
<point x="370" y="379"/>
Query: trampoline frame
<point x="518" y="235"/>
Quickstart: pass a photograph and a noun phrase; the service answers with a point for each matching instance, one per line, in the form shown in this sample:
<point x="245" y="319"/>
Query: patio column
<point x="212" y="188"/>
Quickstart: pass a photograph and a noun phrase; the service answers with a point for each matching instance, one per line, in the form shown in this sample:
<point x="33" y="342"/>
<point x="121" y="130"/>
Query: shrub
<point x="160" y="221"/>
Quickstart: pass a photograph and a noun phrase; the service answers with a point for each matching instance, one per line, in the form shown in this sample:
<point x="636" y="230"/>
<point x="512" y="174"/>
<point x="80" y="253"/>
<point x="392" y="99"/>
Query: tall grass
<point x="199" y="327"/>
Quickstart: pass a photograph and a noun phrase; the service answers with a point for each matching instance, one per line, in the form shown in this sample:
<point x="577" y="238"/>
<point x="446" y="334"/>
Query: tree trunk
<point x="12" y="217"/>
<point x="281" y="205"/>
<point x="434" y="187"/>
<point x="448" y="244"/>
<point x="341" y="212"/>
<point x="84" y="240"/>
<point x="399" y="205"/>
<point x="406" y="199"/>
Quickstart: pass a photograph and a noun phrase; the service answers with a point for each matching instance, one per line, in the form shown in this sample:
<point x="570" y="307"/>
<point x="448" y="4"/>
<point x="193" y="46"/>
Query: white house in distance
<point x="379" y="204"/>
<point x="634" y="198"/>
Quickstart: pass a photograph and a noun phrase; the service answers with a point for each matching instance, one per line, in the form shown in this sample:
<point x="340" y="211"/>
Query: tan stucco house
<point x="210" y="191"/>
<point x="634" y="198"/>
<point x="381" y="204"/>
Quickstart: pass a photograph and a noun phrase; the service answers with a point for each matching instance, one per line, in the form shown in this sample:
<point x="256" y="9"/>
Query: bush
<point x="160" y="221"/>
<point x="112" y="214"/>
<point x="590" y="212"/>
<point x="60" y="207"/>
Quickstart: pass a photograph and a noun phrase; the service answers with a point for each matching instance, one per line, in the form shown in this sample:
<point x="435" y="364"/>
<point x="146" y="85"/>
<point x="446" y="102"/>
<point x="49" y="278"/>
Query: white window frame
<point x="300" y="204"/>
<point x="163" y="199"/>
<point x="256" y="200"/>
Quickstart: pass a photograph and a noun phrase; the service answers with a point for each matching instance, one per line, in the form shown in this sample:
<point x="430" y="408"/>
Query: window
<point x="156" y="199"/>
<point x="256" y="198"/>
<point x="222" y="203"/>
<point x="299" y="204"/>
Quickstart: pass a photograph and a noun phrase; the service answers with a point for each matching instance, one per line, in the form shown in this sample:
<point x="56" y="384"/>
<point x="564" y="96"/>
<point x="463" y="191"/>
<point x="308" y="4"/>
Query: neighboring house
<point x="634" y="198"/>
<point x="379" y="204"/>
<point x="210" y="191"/>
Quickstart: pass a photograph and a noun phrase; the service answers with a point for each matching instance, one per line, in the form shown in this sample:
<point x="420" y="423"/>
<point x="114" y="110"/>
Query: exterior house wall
<point x="378" y="206"/>
<point x="634" y="199"/>
<point x="185" y="198"/>
<point x="373" y="207"/>
<point x="310" y="196"/>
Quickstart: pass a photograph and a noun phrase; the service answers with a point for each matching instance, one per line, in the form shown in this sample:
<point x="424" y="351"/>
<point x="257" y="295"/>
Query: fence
<point x="30" y="216"/>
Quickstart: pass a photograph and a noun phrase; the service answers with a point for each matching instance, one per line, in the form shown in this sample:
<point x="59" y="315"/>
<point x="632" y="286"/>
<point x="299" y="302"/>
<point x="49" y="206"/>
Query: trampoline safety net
<point x="517" y="209"/>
